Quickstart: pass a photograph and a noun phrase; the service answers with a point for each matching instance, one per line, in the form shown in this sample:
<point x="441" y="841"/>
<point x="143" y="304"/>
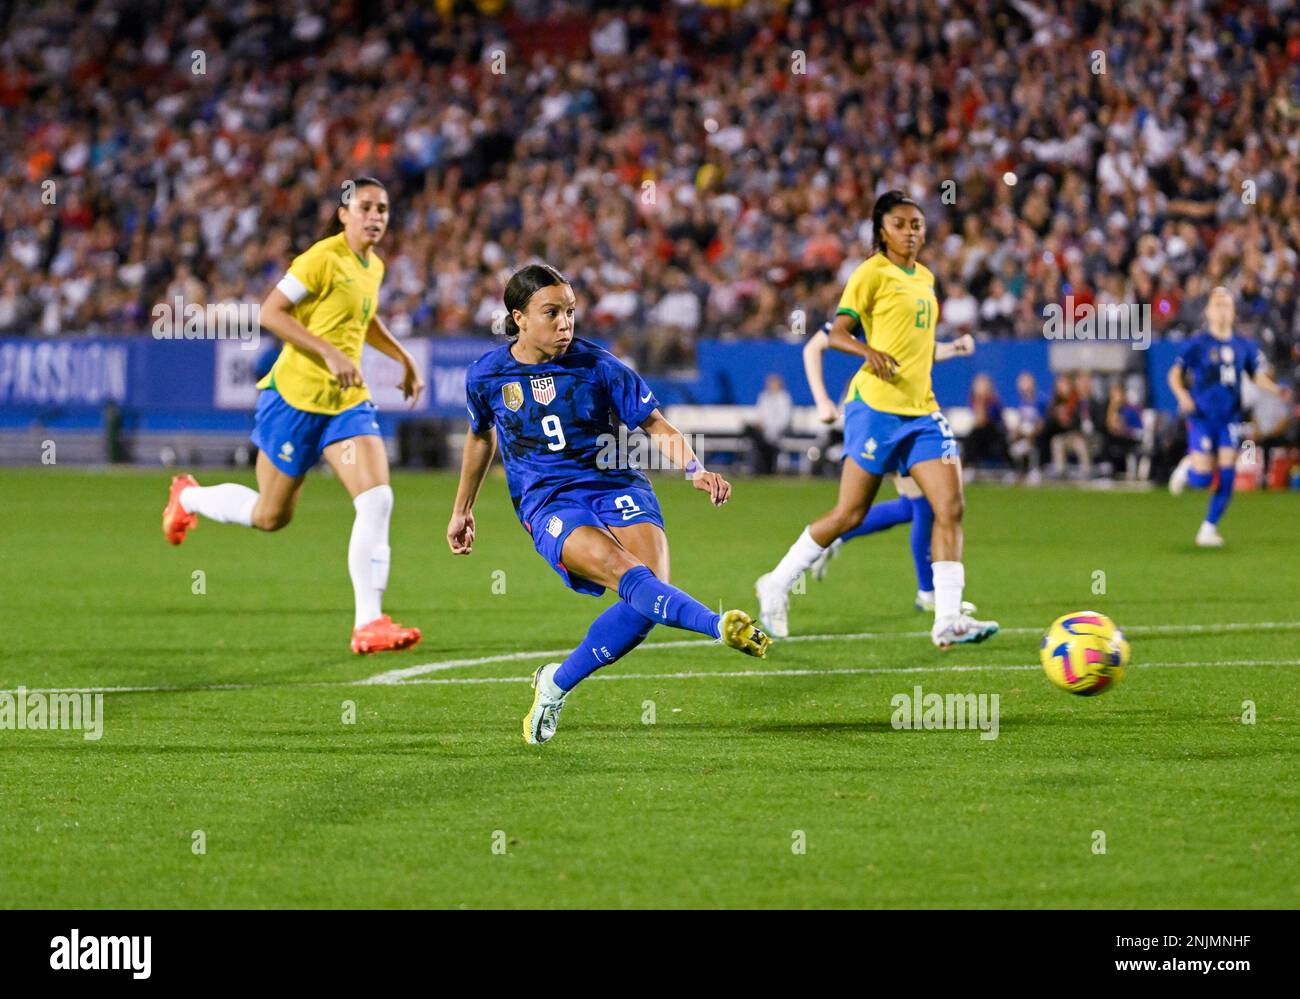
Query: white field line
<point x="615" y="675"/>
<point x="177" y="688"/>
<point x="414" y="674"/>
<point x="406" y="673"/>
<point x="850" y="671"/>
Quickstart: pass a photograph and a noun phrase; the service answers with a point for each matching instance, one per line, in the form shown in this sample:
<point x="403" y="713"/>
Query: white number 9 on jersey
<point x="551" y="427"/>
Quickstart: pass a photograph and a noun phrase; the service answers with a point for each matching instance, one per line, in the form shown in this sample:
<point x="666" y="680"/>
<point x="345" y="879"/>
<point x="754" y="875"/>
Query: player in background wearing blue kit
<point x="549" y="397"/>
<point x="911" y="507"/>
<point x="1215" y="360"/>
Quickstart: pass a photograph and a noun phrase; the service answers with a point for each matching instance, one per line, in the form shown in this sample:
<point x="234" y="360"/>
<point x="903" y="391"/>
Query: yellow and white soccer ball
<point x="1084" y="653"/>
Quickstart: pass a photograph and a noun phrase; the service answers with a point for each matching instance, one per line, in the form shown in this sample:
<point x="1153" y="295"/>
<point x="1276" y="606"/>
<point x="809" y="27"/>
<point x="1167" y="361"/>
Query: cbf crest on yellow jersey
<point x="898" y="310"/>
<point x="335" y="295"/>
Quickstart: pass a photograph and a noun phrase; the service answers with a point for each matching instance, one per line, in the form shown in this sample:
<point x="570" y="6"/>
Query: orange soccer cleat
<point x="383" y="635"/>
<point x="176" y="523"/>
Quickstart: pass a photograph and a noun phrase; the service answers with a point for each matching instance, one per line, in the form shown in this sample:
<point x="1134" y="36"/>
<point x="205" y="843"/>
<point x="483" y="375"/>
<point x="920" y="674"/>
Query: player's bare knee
<point x="949" y="510"/>
<point x="271" y="519"/>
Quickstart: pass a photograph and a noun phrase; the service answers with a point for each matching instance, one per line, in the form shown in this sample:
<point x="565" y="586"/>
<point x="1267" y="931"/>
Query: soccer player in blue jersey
<point x="551" y="399"/>
<point x="1215" y="361"/>
<point x="911" y="506"/>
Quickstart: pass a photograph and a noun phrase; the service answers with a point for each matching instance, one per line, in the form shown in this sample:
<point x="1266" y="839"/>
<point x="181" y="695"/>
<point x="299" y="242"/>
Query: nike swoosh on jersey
<point x="646" y="397"/>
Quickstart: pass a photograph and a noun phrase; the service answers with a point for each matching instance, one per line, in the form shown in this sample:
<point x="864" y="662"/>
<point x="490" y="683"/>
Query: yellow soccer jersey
<point x="897" y="310"/>
<point x="335" y="295"/>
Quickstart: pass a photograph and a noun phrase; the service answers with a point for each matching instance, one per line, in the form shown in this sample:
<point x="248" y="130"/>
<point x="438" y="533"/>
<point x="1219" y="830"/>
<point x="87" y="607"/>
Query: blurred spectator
<point x="1024" y="424"/>
<point x="774" y="412"/>
<point x="998" y="310"/>
<point x="958" y="313"/>
<point x="1062" y="431"/>
<point x="16" y="310"/>
<point x="1123" y="429"/>
<point x="987" y="442"/>
<point x="1091" y="409"/>
<point x="674" y="318"/>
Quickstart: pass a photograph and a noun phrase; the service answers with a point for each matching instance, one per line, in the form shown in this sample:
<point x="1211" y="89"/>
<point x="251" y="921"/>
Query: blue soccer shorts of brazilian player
<point x="294" y="439"/>
<point x="1206" y="437"/>
<point x="620" y="506"/>
<point x="889" y="442"/>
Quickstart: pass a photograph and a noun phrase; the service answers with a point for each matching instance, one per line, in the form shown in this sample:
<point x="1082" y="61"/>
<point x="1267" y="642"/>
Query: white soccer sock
<point x="228" y="503"/>
<point x="949" y="580"/>
<point x="802" y="554"/>
<point x="368" y="551"/>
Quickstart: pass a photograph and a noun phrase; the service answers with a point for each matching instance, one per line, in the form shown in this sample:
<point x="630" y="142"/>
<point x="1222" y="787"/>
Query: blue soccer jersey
<point x="1216" y="367"/>
<point x="557" y="422"/>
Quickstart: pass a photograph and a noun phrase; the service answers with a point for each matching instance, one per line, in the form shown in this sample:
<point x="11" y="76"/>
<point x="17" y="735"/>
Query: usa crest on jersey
<point x="513" y="395"/>
<point x="543" y="389"/>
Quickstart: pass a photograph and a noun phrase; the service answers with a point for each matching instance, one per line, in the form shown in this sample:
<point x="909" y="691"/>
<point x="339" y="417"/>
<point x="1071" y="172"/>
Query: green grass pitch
<point x="430" y="798"/>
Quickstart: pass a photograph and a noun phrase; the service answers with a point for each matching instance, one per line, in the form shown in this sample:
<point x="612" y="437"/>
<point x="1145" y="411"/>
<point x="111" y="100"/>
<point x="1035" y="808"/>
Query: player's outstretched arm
<point x="381" y="338"/>
<point x="813" y="350"/>
<point x="963" y="346"/>
<point x="479" y="449"/>
<point x="277" y="318"/>
<point x="672" y="445"/>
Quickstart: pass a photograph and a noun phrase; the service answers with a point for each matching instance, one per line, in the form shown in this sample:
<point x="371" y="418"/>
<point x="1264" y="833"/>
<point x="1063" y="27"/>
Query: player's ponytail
<point x="346" y="193"/>
<point x="885" y="204"/>
<point x="523" y="284"/>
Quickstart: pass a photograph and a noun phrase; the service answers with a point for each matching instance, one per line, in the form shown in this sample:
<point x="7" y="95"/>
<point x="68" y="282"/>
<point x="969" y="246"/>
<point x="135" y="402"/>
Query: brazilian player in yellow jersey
<point x="314" y="403"/>
<point x="891" y="422"/>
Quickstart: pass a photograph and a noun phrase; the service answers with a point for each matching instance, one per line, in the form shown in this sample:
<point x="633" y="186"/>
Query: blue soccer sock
<point x="881" y="517"/>
<point x="922" y="529"/>
<point x="665" y="604"/>
<point x="1221" y="496"/>
<point x="1199" y="480"/>
<point x="614" y="634"/>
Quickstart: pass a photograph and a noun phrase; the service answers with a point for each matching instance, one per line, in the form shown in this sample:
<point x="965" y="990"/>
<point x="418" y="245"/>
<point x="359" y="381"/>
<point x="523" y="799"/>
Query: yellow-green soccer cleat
<point x="544" y="716"/>
<point x="740" y="632"/>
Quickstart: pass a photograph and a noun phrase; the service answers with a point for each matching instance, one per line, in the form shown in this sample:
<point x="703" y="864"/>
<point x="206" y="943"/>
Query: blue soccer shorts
<point x="1207" y="436"/>
<point x="621" y="506"/>
<point x="889" y="442"/>
<point x="294" y="439"/>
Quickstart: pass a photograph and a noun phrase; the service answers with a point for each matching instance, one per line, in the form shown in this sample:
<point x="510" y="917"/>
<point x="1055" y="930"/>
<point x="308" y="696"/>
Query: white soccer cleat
<point x="823" y="560"/>
<point x="1208" y="536"/>
<point x="1178" y="479"/>
<point x="961" y="630"/>
<point x="925" y="602"/>
<point x="544" y="716"/>
<point x="773" y="607"/>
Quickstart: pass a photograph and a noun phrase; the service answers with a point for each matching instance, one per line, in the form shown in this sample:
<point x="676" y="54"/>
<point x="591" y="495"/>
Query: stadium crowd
<point x="694" y="171"/>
